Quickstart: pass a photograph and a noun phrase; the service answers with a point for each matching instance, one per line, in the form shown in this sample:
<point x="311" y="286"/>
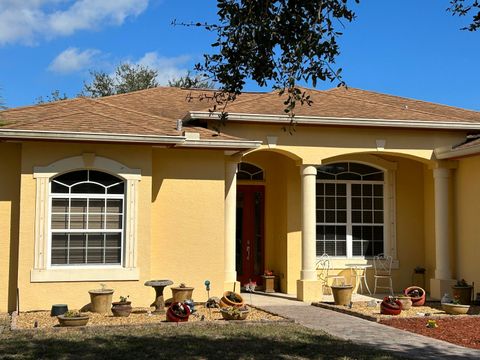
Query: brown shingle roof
<point x="355" y="103"/>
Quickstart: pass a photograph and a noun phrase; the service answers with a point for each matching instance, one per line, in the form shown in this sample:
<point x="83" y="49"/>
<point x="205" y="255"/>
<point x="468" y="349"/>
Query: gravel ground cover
<point x="139" y="316"/>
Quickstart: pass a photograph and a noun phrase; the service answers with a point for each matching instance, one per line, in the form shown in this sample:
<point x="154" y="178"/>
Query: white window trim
<point x="41" y="271"/>
<point x="390" y="238"/>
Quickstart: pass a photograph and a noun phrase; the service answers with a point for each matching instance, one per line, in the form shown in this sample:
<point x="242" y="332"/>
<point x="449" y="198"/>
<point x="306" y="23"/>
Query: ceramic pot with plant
<point x="342" y="294"/>
<point x="455" y="309"/>
<point x="182" y="293"/>
<point x="101" y="300"/>
<point x="231" y="299"/>
<point x="178" y="312"/>
<point x="123" y="307"/>
<point x="406" y="301"/>
<point x="417" y="294"/>
<point x="73" y="318"/>
<point x="390" y="306"/>
<point x="234" y="313"/>
<point x="462" y="291"/>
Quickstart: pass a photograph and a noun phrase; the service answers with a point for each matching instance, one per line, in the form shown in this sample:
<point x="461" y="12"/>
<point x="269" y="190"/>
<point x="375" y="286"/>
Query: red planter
<point x="389" y="308"/>
<point x="175" y="316"/>
<point x="417" y="294"/>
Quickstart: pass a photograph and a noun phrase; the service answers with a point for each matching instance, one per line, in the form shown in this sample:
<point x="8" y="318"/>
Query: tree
<point x="463" y="8"/>
<point x="192" y="82"/>
<point x="275" y="41"/>
<point x="127" y="78"/>
<point x="54" y="96"/>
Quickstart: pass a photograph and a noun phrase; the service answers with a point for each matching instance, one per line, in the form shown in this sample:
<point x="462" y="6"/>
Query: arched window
<point x="87" y="217"/>
<point x="247" y="171"/>
<point x="350" y="210"/>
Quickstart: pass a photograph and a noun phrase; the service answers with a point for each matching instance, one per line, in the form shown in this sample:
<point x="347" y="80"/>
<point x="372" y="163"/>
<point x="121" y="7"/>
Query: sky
<point x="408" y="48"/>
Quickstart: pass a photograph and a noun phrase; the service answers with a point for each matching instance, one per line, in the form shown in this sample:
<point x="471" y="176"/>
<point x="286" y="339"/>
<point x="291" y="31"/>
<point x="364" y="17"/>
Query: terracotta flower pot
<point x="232" y="299"/>
<point x="417" y="294"/>
<point x="390" y="307"/>
<point x="178" y="312"/>
<point x="122" y="309"/>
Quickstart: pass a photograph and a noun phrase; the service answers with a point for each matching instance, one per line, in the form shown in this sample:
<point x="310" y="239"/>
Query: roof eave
<point x="221" y="144"/>
<point x="319" y="120"/>
<point x="450" y="153"/>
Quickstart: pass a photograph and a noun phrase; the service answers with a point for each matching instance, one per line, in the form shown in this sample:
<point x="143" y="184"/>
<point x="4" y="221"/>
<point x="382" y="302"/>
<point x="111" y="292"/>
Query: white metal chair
<point x="323" y="268"/>
<point x="383" y="271"/>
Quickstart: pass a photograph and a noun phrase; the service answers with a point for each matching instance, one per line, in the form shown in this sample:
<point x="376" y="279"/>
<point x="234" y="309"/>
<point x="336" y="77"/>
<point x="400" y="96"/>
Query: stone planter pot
<point x="417" y="294"/>
<point x="406" y="302"/>
<point x="101" y="300"/>
<point x="463" y="294"/>
<point x="455" y="309"/>
<point x="73" y="321"/>
<point x="180" y="294"/>
<point x="227" y="300"/>
<point x="342" y="295"/>
<point x="175" y="315"/>
<point x="234" y="313"/>
<point x="122" y="309"/>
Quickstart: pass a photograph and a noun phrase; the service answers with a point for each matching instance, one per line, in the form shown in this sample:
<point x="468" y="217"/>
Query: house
<point x="118" y="190"/>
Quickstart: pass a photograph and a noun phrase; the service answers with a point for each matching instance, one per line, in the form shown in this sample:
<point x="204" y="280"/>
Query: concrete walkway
<point x="360" y="331"/>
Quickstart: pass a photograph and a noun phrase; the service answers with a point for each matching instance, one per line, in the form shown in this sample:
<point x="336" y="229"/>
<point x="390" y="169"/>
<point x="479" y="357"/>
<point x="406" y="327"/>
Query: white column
<point x="230" y="220"/>
<point x="309" y="176"/>
<point x="442" y="223"/>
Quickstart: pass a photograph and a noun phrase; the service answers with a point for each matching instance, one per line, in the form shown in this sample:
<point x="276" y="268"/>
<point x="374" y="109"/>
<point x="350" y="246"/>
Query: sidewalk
<point x="360" y="331"/>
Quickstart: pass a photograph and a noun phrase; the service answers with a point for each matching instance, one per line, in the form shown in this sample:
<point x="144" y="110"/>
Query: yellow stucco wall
<point x="34" y="296"/>
<point x="9" y="212"/>
<point x="188" y="219"/>
<point x="467" y="236"/>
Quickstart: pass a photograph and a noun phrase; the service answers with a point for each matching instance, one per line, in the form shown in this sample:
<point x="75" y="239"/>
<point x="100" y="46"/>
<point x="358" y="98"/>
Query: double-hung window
<point x="350" y="220"/>
<point x="87" y="219"/>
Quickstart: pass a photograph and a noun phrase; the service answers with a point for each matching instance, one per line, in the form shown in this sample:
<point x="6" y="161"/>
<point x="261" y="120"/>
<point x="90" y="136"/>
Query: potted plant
<point x="390" y="306"/>
<point x="101" y="299"/>
<point x="123" y="307"/>
<point x="73" y="318"/>
<point x="455" y="308"/>
<point x="417" y="294"/>
<point x="231" y="299"/>
<point x="342" y="294"/>
<point x="419" y="270"/>
<point x="462" y="291"/>
<point x="178" y="312"/>
<point x="182" y="293"/>
<point x="406" y="301"/>
<point x="234" y="313"/>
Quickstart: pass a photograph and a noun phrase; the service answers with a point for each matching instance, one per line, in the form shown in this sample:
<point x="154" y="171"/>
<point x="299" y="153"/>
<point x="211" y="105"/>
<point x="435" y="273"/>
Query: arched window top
<point x="87" y="182"/>
<point x="247" y="171"/>
<point x="349" y="171"/>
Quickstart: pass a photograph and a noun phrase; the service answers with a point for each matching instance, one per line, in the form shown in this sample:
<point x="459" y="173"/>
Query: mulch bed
<point x="139" y="316"/>
<point x="457" y="329"/>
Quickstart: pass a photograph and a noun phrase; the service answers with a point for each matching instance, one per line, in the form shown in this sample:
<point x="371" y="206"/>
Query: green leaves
<point x="463" y="8"/>
<point x="276" y="41"/>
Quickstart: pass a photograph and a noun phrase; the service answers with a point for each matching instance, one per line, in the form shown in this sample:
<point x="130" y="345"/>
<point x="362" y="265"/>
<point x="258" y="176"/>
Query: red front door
<point x="250" y="233"/>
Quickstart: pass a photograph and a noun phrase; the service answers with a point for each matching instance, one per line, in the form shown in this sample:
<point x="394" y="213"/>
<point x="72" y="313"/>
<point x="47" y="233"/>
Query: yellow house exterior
<point x="192" y="204"/>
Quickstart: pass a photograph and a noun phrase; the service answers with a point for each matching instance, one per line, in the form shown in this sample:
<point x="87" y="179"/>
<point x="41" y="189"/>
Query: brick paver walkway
<point x="360" y="331"/>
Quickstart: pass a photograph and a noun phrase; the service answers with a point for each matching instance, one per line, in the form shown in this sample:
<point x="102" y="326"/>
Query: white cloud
<point x="72" y="60"/>
<point x="28" y="20"/>
<point x="168" y="67"/>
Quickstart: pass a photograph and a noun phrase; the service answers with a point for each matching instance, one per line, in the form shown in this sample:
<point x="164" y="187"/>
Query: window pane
<point x="103" y="178"/>
<point x="378" y="233"/>
<point x="88" y="188"/>
<point x="320" y="202"/>
<point x="113" y="240"/>
<point x="117" y="189"/>
<point x="320" y="232"/>
<point x="60" y="205"/>
<point x="73" y="177"/>
<point x="330" y="203"/>
<point x="341" y="216"/>
<point x="95" y="221"/>
<point x="367" y="203"/>
<point x="96" y="206"/>
<point x="113" y="256"/>
<point x="362" y="168"/>
<point x="341" y="203"/>
<point x="356" y="190"/>
<point x="367" y="233"/>
<point x="378" y="190"/>
<point x="59" y="240"/>
<point x="324" y="176"/>
<point x="378" y="203"/>
<point x="356" y="217"/>
<point x="367" y="217"/>
<point x="357" y="232"/>
<point x="367" y="190"/>
<point x="78" y="221"/>
<point x="59" y="188"/>
<point x="320" y="216"/>
<point x="114" y="206"/>
<point x="378" y="247"/>
<point x="329" y="232"/>
<point x="320" y="189"/>
<point x="59" y="256"/>
<point x="59" y="221"/>
<point x="330" y="189"/>
<point x="78" y="240"/>
<point x="114" y="222"/>
<point x="330" y="216"/>
<point x="341" y="189"/>
<point x="95" y="240"/>
<point x="330" y="248"/>
<point x="349" y="176"/>
<point x="374" y="177"/>
<point x="341" y="232"/>
<point x="378" y="217"/>
<point x="77" y="256"/>
<point x="356" y="203"/>
<point x="341" y="248"/>
<point x="357" y="248"/>
<point x="95" y="256"/>
<point x="79" y="206"/>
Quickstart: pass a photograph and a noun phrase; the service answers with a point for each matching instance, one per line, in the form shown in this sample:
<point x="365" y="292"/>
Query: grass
<point x="262" y="341"/>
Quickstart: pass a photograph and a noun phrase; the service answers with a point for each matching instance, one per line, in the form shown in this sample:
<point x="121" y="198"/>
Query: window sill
<point x="91" y="274"/>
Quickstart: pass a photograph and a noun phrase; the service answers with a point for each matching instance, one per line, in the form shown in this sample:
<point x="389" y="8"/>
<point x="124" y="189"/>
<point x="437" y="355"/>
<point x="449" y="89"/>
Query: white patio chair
<point x="323" y="268"/>
<point x="383" y="271"/>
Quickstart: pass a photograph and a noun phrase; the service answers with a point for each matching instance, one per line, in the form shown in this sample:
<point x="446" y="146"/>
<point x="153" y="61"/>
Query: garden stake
<point x="207" y="287"/>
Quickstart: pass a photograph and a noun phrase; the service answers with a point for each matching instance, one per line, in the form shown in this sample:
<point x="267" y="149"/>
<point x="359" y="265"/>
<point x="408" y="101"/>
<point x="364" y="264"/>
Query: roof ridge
<point x="394" y="106"/>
